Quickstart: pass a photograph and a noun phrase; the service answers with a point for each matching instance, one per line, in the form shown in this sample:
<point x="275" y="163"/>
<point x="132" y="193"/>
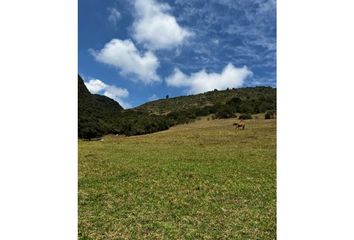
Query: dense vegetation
<point x="99" y="115"/>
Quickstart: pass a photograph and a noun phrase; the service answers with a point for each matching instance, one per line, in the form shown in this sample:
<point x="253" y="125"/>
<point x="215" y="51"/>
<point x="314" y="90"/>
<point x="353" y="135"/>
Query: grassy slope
<point x="203" y="180"/>
<point x="163" y="106"/>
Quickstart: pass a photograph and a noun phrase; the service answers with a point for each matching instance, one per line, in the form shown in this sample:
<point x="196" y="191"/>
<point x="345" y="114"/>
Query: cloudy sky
<point x="136" y="51"/>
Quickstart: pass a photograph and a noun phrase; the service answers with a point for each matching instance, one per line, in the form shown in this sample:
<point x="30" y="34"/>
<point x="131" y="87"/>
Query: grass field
<point x="203" y="180"/>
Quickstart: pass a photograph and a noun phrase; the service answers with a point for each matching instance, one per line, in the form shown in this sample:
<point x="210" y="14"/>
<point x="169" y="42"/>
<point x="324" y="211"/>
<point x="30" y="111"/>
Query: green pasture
<point x="203" y="180"/>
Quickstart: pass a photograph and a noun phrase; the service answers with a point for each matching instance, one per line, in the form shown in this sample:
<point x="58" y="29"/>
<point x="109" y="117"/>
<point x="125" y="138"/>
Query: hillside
<point x="96" y="112"/>
<point x="212" y="98"/>
<point x="100" y="115"/>
<point x="164" y="113"/>
<point x="101" y="104"/>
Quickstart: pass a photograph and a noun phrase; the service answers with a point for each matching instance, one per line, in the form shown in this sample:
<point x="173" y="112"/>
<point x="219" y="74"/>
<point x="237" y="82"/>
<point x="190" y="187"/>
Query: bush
<point x="224" y="114"/>
<point x="269" y="115"/>
<point x="245" y="116"/>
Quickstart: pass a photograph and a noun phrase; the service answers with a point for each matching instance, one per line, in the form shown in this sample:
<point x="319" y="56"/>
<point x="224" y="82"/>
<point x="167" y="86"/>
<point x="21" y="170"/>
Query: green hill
<point x="263" y="97"/>
<point x="95" y="104"/>
<point x="96" y="113"/>
<point x="100" y="115"/>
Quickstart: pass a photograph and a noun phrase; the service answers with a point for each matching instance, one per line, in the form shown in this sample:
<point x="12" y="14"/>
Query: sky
<point x="135" y="51"/>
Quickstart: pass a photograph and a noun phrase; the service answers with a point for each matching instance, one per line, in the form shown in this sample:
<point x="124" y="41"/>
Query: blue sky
<point x="135" y="51"/>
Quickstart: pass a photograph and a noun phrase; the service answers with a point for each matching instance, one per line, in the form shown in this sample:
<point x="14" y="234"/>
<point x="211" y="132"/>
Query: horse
<point x="240" y="125"/>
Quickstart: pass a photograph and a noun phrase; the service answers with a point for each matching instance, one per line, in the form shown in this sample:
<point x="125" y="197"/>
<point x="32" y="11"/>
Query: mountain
<point x="96" y="113"/>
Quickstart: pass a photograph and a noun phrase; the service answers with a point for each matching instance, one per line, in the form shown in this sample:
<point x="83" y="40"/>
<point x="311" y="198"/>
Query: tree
<point x="167" y="96"/>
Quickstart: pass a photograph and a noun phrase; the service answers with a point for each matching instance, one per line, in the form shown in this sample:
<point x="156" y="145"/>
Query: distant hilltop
<point x="263" y="97"/>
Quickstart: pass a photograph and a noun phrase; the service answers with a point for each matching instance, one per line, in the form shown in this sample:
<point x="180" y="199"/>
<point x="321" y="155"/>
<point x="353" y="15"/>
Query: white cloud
<point x="123" y="55"/>
<point x="153" y="97"/>
<point x="96" y="86"/>
<point x="216" y="41"/>
<point x="155" y="27"/>
<point x="114" y="92"/>
<point x="117" y="98"/>
<point x="114" y="15"/>
<point x="202" y="81"/>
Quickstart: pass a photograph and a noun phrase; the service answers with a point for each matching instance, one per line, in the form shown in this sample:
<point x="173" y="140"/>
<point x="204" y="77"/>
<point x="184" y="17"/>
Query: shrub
<point x="269" y="115"/>
<point x="245" y="116"/>
<point x="224" y="114"/>
<point x="225" y="111"/>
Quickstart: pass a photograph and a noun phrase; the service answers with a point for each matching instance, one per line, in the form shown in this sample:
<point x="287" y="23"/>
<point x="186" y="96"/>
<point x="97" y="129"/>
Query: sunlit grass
<point x="203" y="180"/>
